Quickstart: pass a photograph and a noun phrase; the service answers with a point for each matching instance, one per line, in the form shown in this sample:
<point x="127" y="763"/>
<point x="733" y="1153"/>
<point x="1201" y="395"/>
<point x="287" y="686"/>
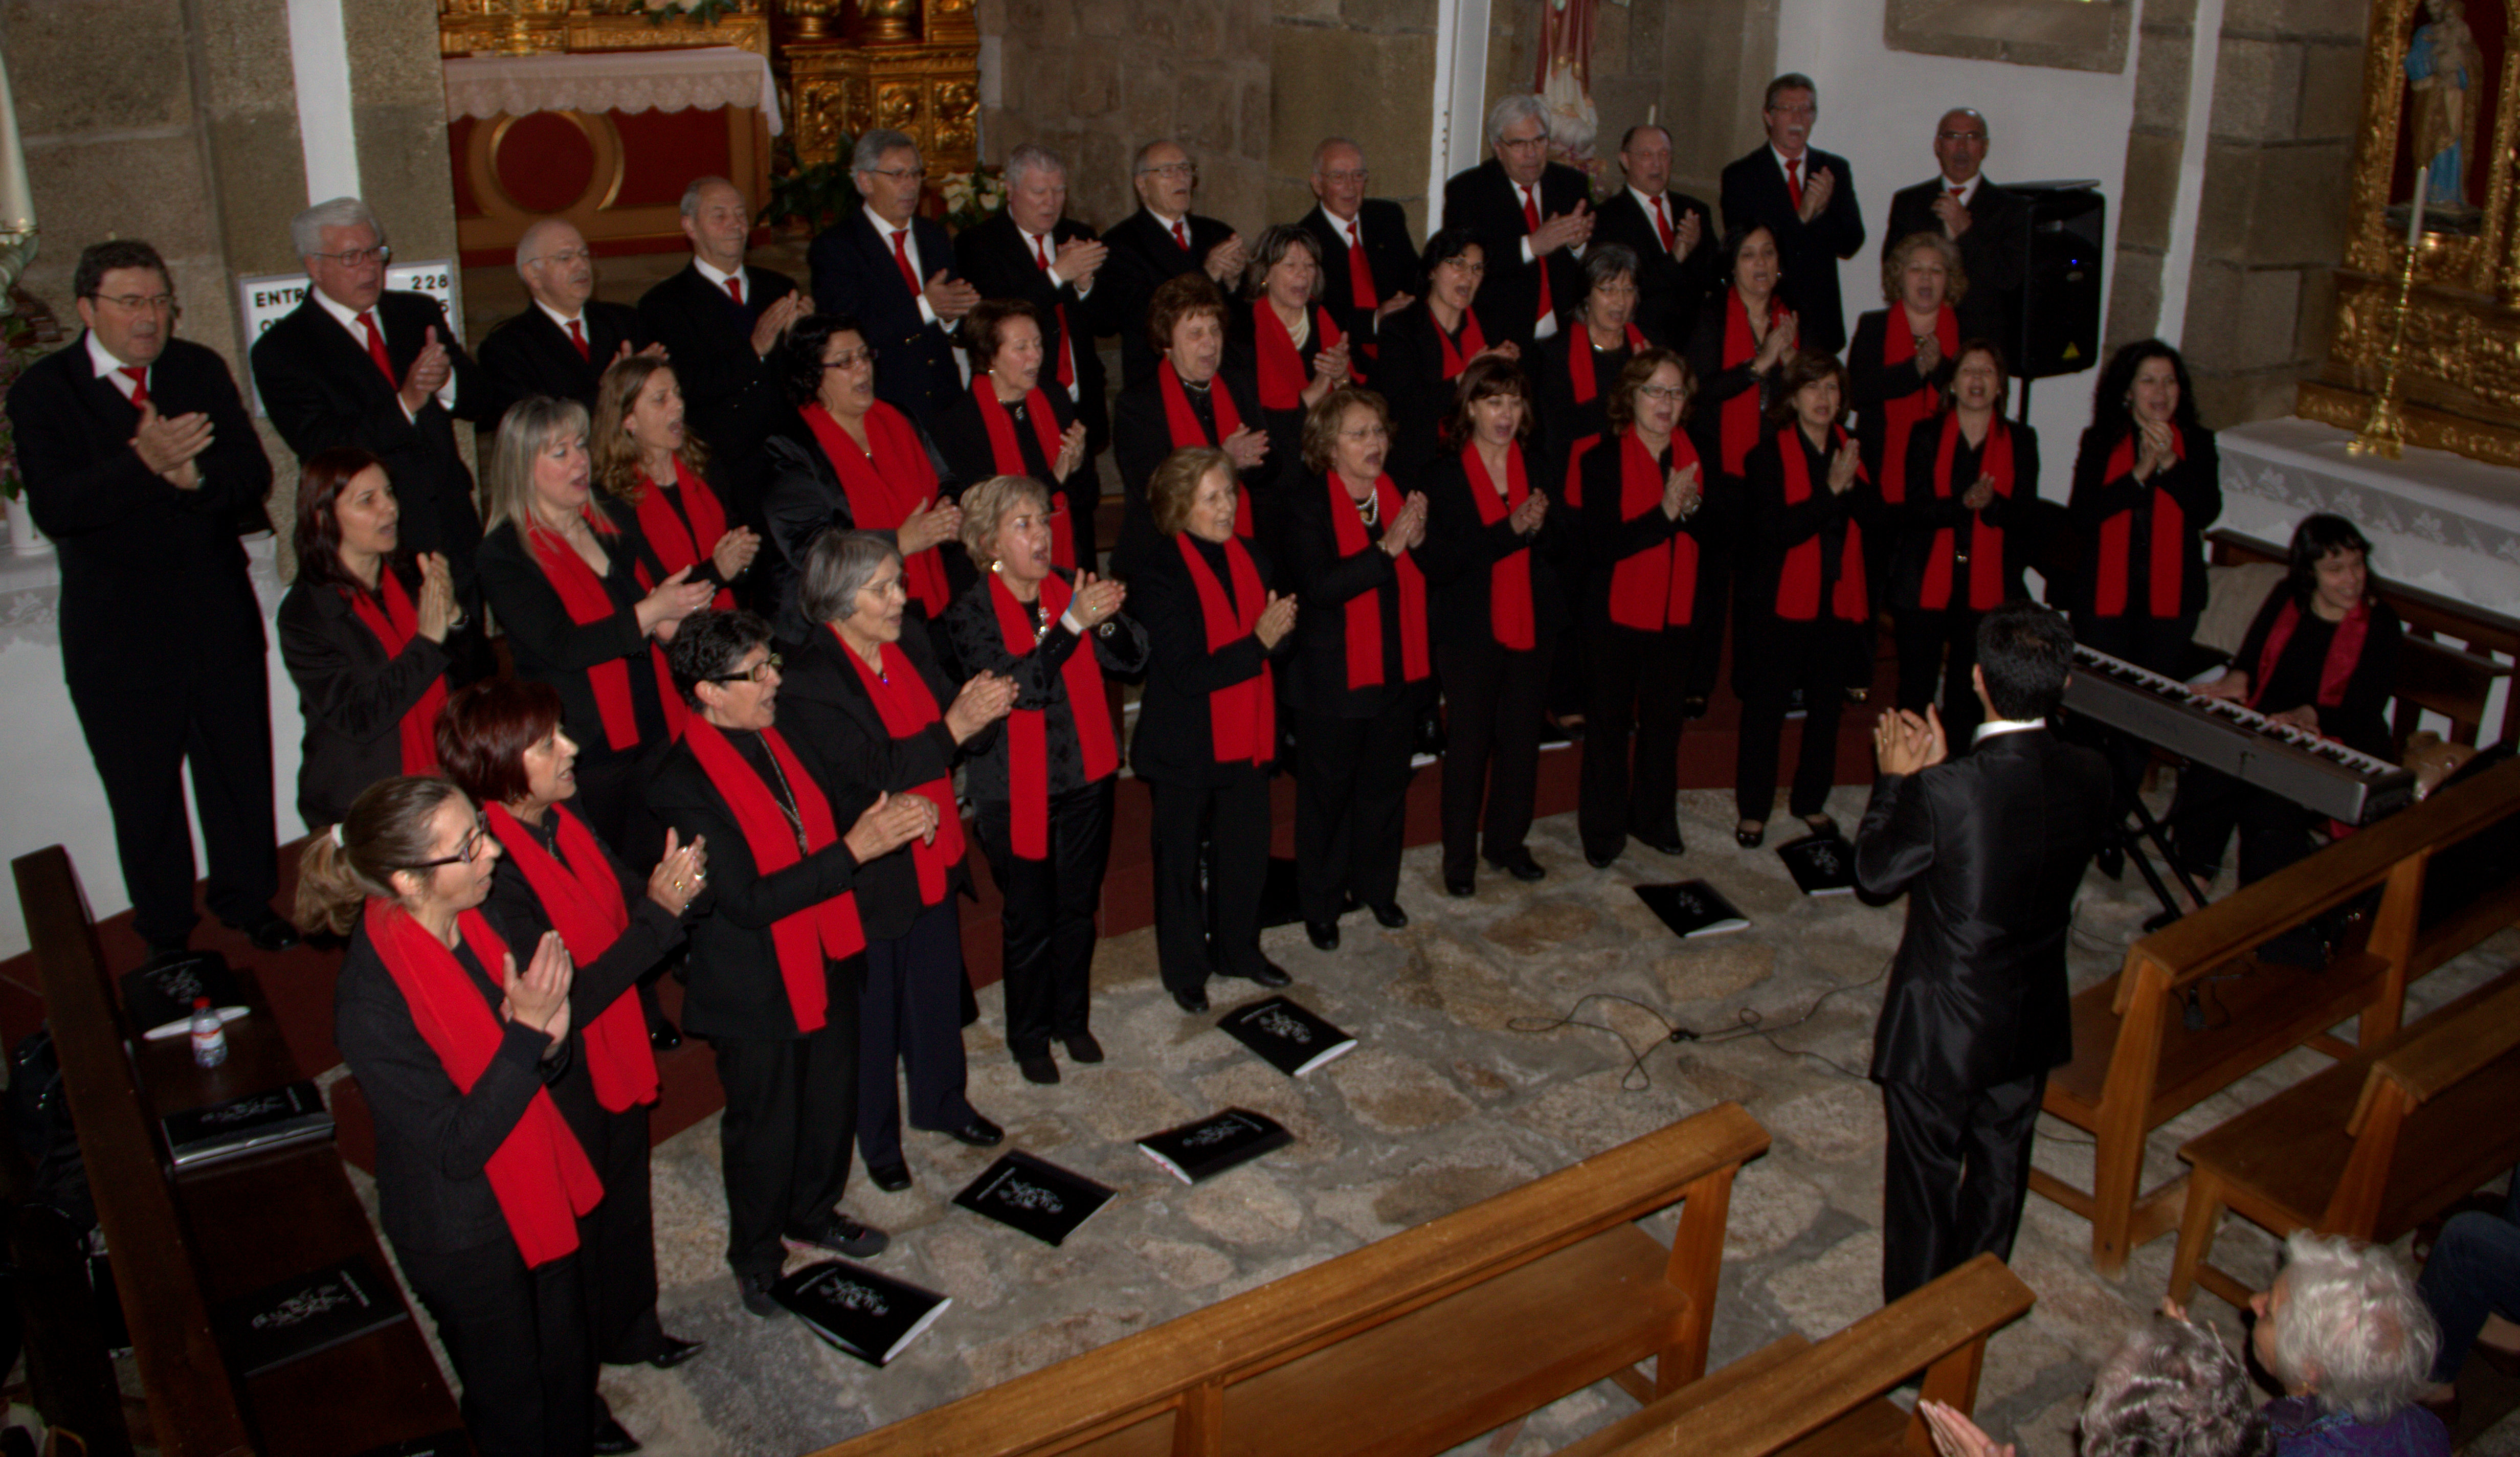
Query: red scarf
<point x="676" y="545"/>
<point x="1028" y="729"/>
<point x="1902" y="414"/>
<point x="539" y="1173"/>
<point x="2335" y="671"/>
<point x="1007" y="454"/>
<point x="1657" y="587"/>
<point x="1186" y="432"/>
<point x="395" y="624"/>
<point x="1242" y="717"/>
<point x="2169" y="559"/>
<point x="901" y="697"/>
<point x="1458" y="357"/>
<point x="1986" y="543"/>
<point x="1579" y="360"/>
<point x="1365" y="609"/>
<point x="1282" y="373"/>
<point x="883" y="485"/>
<point x="1510" y="578"/>
<point x="582" y="899"/>
<point x="581" y="593"/>
<point x="1798" y="585"/>
<point x="1738" y="427"/>
<point x="827" y="929"/>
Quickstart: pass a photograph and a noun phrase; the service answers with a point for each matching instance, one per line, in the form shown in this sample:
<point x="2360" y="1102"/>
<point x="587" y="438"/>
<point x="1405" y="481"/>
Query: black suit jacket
<point x="550" y="648"/>
<point x="1993" y="251"/>
<point x="1990" y="846"/>
<point x="1669" y="290"/>
<point x="149" y="574"/>
<point x="855" y="273"/>
<point x="963" y="439"/>
<point x="530" y="355"/>
<point x="1142" y="437"/>
<point x="1317" y="677"/>
<point x="1484" y="201"/>
<point x="353" y="696"/>
<point x="321" y="389"/>
<point x="1144" y="258"/>
<point x="730" y="393"/>
<point x="1390" y="255"/>
<point x="1175" y="739"/>
<point x="1462" y="550"/>
<point x="994" y="257"/>
<point x="1755" y="194"/>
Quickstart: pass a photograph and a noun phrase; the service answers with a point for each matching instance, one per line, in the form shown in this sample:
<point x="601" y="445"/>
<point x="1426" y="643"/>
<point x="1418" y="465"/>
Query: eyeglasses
<point x="466" y="852"/>
<point x="851" y="359"/>
<point x="1356" y="176"/>
<point x="569" y="257"/>
<point x="1172" y="169"/>
<point x="359" y="257"/>
<point x="753" y="673"/>
<point x="1663" y="391"/>
<point x="1465" y="265"/>
<point x="133" y="303"/>
<point x="1523" y="143"/>
<point x="901" y="174"/>
<point x="1960" y="136"/>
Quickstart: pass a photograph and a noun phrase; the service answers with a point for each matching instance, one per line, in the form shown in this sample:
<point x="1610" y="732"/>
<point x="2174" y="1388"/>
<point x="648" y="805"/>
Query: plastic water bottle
<point x="210" y="1034"/>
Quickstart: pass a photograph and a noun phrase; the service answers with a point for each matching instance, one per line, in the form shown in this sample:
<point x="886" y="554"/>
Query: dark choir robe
<point x="352" y="693"/>
<point x="2193" y="481"/>
<point x="531" y="354"/>
<point x="1780" y="654"/>
<point x="1942" y="639"/>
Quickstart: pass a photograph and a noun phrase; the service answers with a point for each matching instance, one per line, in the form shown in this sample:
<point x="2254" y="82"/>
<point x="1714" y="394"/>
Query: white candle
<point x="2415" y="215"/>
<point x="17" y="198"/>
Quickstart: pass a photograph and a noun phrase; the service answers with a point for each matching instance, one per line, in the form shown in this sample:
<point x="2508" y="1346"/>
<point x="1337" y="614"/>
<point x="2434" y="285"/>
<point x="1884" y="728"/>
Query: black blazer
<point x="149" y="574"/>
<point x="823" y="699"/>
<point x="1755" y="194"/>
<point x="551" y="648"/>
<point x="528" y="355"/>
<point x="801" y="499"/>
<point x="1327" y="582"/>
<point x="321" y="389"/>
<point x="1461" y="550"/>
<point x="1391" y="256"/>
<point x="1717" y="384"/>
<point x="2194" y="481"/>
<point x="1771" y="528"/>
<point x="1483" y="200"/>
<point x="979" y="645"/>
<point x="1408" y="375"/>
<point x="1994" y="251"/>
<point x="1871" y="385"/>
<point x="730" y="393"/>
<point x="1669" y="290"/>
<point x="736" y="990"/>
<point x="1285" y="428"/>
<point x="1990" y="846"/>
<point x="855" y="273"/>
<point x="2360" y="721"/>
<point x="1611" y="537"/>
<point x="1175" y="742"/>
<point x="1142" y="437"/>
<point x="352" y="695"/>
<point x="1145" y="257"/>
<point x="1558" y="420"/>
<point x="995" y="259"/>
<point x="963" y="439"/>
<point x="2020" y="516"/>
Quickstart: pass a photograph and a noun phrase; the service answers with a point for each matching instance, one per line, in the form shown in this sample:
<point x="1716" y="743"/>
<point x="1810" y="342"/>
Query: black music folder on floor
<point x="856" y="1310"/>
<point x="1034" y="1196"/>
<point x="1292" y="1037"/>
<point x="1220" y="1141"/>
<point x="1692" y="908"/>
<point x="1823" y="865"/>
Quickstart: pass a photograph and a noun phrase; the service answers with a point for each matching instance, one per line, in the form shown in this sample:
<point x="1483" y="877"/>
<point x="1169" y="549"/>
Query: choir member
<point x="1282" y="335"/>
<point x="1737" y="354"/>
<point x="1424" y="347"/>
<point x="1579" y="366"/>
<point x="647" y="458"/>
<point x="1897" y="371"/>
<point x="1188" y="399"/>
<point x="2148" y="481"/>
<point x="1970" y="472"/>
<point x="1010" y="423"/>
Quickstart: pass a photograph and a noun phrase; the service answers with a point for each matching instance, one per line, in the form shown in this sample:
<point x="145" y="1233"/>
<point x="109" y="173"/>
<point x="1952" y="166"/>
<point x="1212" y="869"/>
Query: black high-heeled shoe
<point x="1750" y="834"/>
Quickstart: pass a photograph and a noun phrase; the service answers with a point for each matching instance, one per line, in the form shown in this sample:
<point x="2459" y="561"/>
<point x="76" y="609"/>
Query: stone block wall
<point x="1360" y="68"/>
<point x="1699" y="65"/>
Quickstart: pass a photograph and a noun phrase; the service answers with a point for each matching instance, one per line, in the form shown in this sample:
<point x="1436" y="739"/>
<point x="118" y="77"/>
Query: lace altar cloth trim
<point x="708" y="78"/>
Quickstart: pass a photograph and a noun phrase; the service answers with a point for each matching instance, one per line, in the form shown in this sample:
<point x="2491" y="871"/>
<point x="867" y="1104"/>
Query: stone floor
<point x="1446" y="1099"/>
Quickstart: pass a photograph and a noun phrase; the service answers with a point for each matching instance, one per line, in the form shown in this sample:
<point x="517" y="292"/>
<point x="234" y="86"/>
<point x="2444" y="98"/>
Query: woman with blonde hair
<point x="647" y="458"/>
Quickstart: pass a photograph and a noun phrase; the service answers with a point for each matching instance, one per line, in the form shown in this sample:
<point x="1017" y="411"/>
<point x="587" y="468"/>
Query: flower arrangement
<point x="22" y="341"/>
<point x="972" y="196"/>
<point x="702" y="12"/>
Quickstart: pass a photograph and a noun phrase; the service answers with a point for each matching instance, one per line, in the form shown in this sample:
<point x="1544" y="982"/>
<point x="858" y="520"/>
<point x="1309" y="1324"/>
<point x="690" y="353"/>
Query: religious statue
<point x="2444" y="68"/>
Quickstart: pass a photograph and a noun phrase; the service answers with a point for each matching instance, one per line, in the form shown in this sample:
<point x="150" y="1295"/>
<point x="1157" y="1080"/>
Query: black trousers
<point x="210" y="711"/>
<point x="1351" y="797"/>
<point x="1784" y="656"/>
<point x="1939" y="646"/>
<point x="1639" y="681"/>
<point x="2274" y="832"/>
<point x="1493" y="701"/>
<point x="1958" y="1169"/>
<point x="912" y="1013"/>
<point x="616" y="1240"/>
<point x="518" y="1339"/>
<point x="1210" y="845"/>
<point x="792" y="1110"/>
<point x="1707" y="615"/>
<point x="1048" y="923"/>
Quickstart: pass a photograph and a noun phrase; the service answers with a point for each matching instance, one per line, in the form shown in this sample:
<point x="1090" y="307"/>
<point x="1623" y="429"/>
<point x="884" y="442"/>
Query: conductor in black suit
<point x="1158" y="243"/>
<point x="1991" y="848"/>
<point x="1369" y="264"/>
<point x="1532" y="218"/>
<point x="358" y="365"/>
<point x="1806" y="197"/>
<point x="142" y="465"/>
<point x="718" y="319"/>
<point x="1991" y="225"/>
<point x="1672" y="233"/>
<point x="566" y="338"/>
<point x="894" y="272"/>
<point x="1032" y="251"/>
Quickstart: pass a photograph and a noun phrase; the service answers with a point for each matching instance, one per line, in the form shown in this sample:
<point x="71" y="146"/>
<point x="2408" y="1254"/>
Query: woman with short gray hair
<point x="2353" y="1343"/>
<point x="2172" y="1389"/>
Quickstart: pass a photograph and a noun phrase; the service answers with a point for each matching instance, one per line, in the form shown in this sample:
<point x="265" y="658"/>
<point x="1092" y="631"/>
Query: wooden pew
<point x="2370" y="1147"/>
<point x="181" y="1244"/>
<point x="1415" y="1343"/>
<point x="1834" y="1394"/>
<point x="2137" y="1065"/>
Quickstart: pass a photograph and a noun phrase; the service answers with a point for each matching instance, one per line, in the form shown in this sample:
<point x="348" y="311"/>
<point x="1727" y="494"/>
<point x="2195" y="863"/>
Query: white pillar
<point x="1461" y="96"/>
<point x="319" y="55"/>
<point x="2204" y="59"/>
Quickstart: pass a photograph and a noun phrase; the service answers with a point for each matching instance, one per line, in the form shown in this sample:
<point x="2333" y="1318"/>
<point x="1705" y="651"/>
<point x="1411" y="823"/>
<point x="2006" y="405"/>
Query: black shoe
<point x="1750" y="834"/>
<point x="842" y="1235"/>
<point x="1521" y="867"/>
<point x="1389" y="915"/>
<point x="1038" y="1068"/>
<point x="612" y="1438"/>
<point x="1666" y="841"/>
<point x="757" y="1298"/>
<point x="268" y="932"/>
<point x="1602" y="862"/>
<point x="663" y="1035"/>
<point x="1821" y="828"/>
<point x="1324" y="934"/>
<point x="1461" y="887"/>
<point x="979" y="1132"/>
<point x="891" y="1179"/>
<point x="1191" y="1000"/>
<point x="674" y="1352"/>
<point x="1083" y="1048"/>
<point x="1693" y="706"/>
<point x="1263" y="972"/>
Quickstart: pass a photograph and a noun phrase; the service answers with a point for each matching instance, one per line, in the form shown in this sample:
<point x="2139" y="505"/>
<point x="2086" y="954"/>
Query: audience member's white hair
<point x="306" y="228"/>
<point x="1029" y="157"/>
<point x="2351" y="1327"/>
<point x="871" y="149"/>
<point x="1519" y="106"/>
<point x="2173" y="1390"/>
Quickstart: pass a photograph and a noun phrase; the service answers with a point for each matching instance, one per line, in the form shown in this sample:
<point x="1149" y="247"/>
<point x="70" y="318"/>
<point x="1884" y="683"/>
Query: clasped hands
<point x="1903" y="743"/>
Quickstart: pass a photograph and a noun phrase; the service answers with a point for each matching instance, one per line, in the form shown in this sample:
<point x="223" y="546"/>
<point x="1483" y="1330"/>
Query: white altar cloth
<point x="706" y="78"/>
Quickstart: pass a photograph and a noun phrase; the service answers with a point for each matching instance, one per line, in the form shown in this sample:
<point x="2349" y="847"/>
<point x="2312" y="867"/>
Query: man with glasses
<point x="893" y="271"/>
<point x="719" y="319"/>
<point x="566" y="338"/>
<point x="1805" y="197"/>
<point x="1160" y="241"/>
<point x="1369" y="261"/>
<point x="1672" y="233"/>
<point x="142" y="465"/>
<point x="1532" y="217"/>
<point x="1991" y="225"/>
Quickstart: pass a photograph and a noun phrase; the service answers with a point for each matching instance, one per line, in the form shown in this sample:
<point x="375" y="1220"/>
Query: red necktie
<point x="1531" y="224"/>
<point x="577" y="336"/>
<point x="1795" y="181"/>
<point x="377" y="349"/>
<point x="1959" y="193"/>
<point x="735" y="289"/>
<point x="138" y="384"/>
<point x="1067" y="360"/>
<point x="1181" y="234"/>
<point x="901" y="257"/>
<point x="1360" y="276"/>
<point x="1662" y="225"/>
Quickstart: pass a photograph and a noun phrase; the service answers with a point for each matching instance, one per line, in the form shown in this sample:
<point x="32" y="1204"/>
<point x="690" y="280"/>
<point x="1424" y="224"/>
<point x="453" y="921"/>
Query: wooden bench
<point x="1415" y="1343"/>
<point x="181" y="1244"/>
<point x="2137" y="1065"/>
<point x="2370" y="1147"/>
<point x="1832" y="1398"/>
